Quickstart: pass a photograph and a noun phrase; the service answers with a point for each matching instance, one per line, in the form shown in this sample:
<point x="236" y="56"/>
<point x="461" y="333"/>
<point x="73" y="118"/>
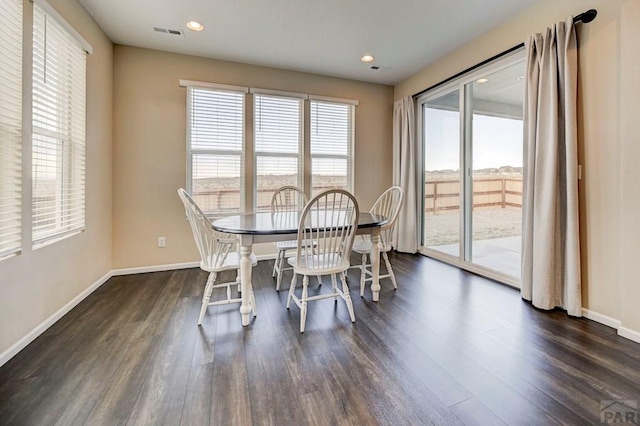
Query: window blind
<point x="10" y="126"/>
<point x="215" y="135"/>
<point x="332" y="139"/>
<point x="277" y="142"/>
<point x="58" y="139"/>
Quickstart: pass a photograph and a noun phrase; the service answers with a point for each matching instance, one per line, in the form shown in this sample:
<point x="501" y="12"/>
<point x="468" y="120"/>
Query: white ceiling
<point x="323" y="36"/>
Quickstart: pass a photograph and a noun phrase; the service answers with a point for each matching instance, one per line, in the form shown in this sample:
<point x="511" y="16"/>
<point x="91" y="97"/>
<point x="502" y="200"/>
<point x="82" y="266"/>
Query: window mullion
<point x="249" y="162"/>
<point x="306" y="149"/>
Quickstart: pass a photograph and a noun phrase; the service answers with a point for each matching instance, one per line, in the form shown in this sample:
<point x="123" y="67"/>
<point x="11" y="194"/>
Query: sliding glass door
<point x="471" y="133"/>
<point x="442" y="180"/>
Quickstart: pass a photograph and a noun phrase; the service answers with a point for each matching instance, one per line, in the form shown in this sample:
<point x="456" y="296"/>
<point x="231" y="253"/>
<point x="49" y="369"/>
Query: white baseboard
<point x="43" y="326"/>
<point x="171" y="267"/>
<point x="627" y="333"/>
<point x="155" y="268"/>
<point x="602" y="319"/>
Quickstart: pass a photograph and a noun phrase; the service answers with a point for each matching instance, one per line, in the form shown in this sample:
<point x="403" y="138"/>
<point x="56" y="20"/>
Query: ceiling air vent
<point x="168" y="31"/>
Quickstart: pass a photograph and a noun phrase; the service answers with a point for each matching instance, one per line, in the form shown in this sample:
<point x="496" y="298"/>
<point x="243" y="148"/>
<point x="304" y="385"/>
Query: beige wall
<point x="608" y="137"/>
<point x="36" y="284"/>
<point x="149" y="143"/>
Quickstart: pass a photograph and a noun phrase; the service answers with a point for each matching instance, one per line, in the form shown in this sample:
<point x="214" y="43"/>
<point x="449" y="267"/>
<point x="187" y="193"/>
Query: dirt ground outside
<point x="488" y="223"/>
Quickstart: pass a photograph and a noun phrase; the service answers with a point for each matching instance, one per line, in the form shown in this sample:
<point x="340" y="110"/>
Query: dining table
<point x="263" y="227"/>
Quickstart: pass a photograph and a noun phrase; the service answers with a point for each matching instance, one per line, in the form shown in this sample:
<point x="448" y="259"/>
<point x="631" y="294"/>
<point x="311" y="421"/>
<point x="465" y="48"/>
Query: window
<point x="215" y="138"/>
<point x="236" y="164"/>
<point x="58" y="139"/>
<point x="278" y="140"/>
<point x="332" y="139"/>
<point x="10" y="126"/>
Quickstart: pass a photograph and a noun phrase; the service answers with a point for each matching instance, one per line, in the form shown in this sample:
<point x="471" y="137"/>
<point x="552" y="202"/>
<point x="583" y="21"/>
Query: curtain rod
<point x="585" y="18"/>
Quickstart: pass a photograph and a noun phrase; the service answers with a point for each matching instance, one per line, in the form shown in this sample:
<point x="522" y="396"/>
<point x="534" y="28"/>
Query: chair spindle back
<point x="388" y="205"/>
<point x="331" y="220"/>
<point x="213" y="246"/>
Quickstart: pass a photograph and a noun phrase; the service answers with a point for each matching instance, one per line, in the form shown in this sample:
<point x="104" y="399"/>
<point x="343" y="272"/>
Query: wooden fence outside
<point x="227" y="200"/>
<point x="442" y="195"/>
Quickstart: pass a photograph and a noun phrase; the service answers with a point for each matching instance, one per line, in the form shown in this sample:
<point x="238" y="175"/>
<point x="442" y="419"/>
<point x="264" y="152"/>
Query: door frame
<point x="466" y="177"/>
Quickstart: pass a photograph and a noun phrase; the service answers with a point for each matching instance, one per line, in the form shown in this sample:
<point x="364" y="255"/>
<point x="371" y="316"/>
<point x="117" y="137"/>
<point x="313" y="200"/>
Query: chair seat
<point x="231" y="262"/>
<point x="290" y="245"/>
<point x="319" y="264"/>
<point x="363" y="246"/>
<point x="286" y="245"/>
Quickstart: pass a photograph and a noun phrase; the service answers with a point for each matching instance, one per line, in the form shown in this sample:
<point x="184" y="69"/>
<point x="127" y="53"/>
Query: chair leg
<point x="347" y="298"/>
<point x="254" y="309"/>
<point x="303" y="303"/>
<point x="238" y="281"/>
<point x="206" y="297"/>
<point x="390" y="270"/>
<point x="275" y="265"/>
<point x="363" y="269"/>
<point x="281" y="259"/>
<point x="334" y="286"/>
<point x="292" y="288"/>
<point x="314" y="250"/>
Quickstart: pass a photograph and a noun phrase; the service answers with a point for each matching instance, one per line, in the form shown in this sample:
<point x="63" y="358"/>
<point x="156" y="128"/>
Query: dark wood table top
<point x="278" y="223"/>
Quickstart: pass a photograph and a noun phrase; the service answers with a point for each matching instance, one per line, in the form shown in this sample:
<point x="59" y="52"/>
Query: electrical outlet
<point x="162" y="242"/>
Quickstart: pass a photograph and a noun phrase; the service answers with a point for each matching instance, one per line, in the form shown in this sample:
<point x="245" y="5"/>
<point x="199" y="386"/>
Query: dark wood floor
<point x="447" y="347"/>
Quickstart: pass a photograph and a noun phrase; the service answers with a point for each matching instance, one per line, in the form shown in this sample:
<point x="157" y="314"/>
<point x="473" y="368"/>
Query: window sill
<point x="55" y="239"/>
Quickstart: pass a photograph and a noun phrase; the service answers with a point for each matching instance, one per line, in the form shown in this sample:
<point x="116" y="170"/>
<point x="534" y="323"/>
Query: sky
<point x="496" y="141"/>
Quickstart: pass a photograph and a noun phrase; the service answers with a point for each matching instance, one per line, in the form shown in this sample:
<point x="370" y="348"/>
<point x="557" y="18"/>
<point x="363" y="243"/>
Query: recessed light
<point x="367" y="58"/>
<point x="520" y="78"/>
<point x="195" y="26"/>
<point x="482" y="80"/>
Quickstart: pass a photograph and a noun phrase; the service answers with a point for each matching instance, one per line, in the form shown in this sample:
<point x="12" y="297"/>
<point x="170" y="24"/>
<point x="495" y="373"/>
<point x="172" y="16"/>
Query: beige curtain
<point x="405" y="234"/>
<point x="550" y="239"/>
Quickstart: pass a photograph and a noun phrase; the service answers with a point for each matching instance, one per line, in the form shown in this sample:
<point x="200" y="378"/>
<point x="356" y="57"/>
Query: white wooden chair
<point x="218" y="254"/>
<point x="288" y="201"/>
<point x="388" y="205"/>
<point x="331" y="220"/>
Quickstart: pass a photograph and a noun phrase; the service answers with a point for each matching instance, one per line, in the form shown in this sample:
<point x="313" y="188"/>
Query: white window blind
<point x="215" y="135"/>
<point x="10" y="126"/>
<point x="58" y="140"/>
<point x="278" y="140"/>
<point x="332" y="139"/>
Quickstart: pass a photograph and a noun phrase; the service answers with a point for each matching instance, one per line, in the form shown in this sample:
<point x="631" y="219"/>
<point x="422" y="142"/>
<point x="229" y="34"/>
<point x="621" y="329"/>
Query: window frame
<point x="190" y="152"/>
<point x="70" y="155"/>
<point x="299" y="156"/>
<point x="248" y="184"/>
<point x="11" y="155"/>
<point x="350" y="156"/>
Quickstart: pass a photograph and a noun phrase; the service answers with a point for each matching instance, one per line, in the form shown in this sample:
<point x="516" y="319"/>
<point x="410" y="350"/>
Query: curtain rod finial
<point x="588" y="16"/>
